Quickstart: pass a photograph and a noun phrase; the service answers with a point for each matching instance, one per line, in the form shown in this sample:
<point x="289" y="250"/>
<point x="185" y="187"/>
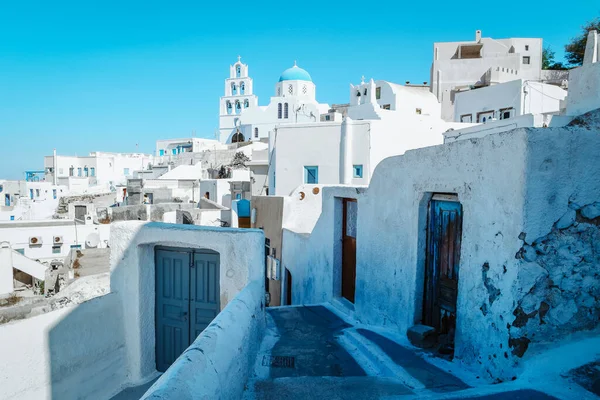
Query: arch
<point x="285" y="111"/>
<point x="228" y="105"/>
<point x="238" y="71"/>
<point x="279" y="111"/>
<point x="237" y="137"/>
<point x="233" y="89"/>
<point x="246" y="103"/>
<point x="242" y="88"/>
<point x="238" y="107"/>
<point x="235" y="121"/>
<point x="256" y="133"/>
<point x="365" y="91"/>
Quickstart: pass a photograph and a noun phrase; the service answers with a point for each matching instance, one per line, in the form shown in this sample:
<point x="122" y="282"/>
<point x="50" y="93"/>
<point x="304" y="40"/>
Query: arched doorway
<point x="238" y="137"/>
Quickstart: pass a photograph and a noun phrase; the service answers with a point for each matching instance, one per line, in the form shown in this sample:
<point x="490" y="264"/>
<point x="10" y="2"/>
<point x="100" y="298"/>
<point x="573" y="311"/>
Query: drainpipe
<point x="346" y="152"/>
<point x="54" y="168"/>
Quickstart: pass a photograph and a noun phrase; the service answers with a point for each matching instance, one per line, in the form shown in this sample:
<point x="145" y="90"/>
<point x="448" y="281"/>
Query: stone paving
<point x="301" y="358"/>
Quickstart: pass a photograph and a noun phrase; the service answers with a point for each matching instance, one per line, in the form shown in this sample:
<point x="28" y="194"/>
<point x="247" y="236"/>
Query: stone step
<point x="326" y="387"/>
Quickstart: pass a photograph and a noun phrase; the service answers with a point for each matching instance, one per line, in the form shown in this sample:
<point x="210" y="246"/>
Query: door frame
<point x="347" y="291"/>
<point x="431" y="312"/>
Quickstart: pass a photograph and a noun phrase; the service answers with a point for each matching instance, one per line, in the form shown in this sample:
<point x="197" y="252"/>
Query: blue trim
<point x="311" y="175"/>
<point x="358" y="171"/>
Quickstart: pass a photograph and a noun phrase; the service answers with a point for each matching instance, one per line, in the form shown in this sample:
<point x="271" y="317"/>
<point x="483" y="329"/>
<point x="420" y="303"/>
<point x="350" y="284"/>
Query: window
<point x="526" y="59"/>
<point x="238" y="71"/>
<point x="365" y="92"/>
<point x="386" y="107"/>
<point x="228" y="107"/>
<point x="126" y="170"/>
<point x="37" y="193"/>
<point x="233" y="89"/>
<point x="55" y="249"/>
<point x="485" y="116"/>
<point x="328" y="117"/>
<point x="76" y="246"/>
<point x="86" y="171"/>
<point x="378" y="93"/>
<point x="7" y="200"/>
<point x="285" y="111"/>
<point x="54" y="194"/>
<point x="304" y="89"/>
<point x="290" y="89"/>
<point x="256" y="133"/>
<point x="242" y="88"/>
<point x="161" y="152"/>
<point x="238" y="107"/>
<point x="506" y="113"/>
<point x="418" y="111"/>
<point x="71" y="171"/>
<point x="279" y="111"/>
<point x="246" y="103"/>
<point x="12" y="217"/>
<point x="79" y="171"/>
<point x="278" y="91"/>
<point x="1" y="188"/>
<point x="526" y="47"/>
<point x="31" y="194"/>
<point x="466" y="118"/>
<point x="174" y="151"/>
<point x="311" y="175"/>
<point x="358" y="171"/>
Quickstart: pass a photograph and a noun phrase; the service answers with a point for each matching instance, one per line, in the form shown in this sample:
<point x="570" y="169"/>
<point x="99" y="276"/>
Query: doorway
<point x="187" y="299"/>
<point x="444" y="233"/>
<point x="350" y="211"/>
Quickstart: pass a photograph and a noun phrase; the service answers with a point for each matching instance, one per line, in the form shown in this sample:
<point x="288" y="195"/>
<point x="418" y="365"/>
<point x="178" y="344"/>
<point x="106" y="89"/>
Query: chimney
<point x="478" y="36"/>
<point x="54" y="170"/>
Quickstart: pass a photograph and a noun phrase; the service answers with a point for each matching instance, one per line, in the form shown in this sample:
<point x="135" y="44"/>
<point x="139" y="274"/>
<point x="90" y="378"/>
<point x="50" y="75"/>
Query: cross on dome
<point x="239" y="58"/>
<point x="362" y="80"/>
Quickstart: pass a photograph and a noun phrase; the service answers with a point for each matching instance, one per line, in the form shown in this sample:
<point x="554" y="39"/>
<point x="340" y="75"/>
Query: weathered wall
<point x="132" y="275"/>
<point x="146" y="212"/>
<point x="65" y="354"/>
<point x="312" y="250"/>
<point x="227" y="348"/>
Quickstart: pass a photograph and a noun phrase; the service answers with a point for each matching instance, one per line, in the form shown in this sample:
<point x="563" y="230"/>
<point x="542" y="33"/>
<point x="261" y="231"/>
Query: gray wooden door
<point x="187" y="300"/>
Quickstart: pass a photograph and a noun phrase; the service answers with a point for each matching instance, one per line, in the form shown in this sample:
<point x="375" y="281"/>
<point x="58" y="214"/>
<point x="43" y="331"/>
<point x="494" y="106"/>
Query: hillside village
<point x="442" y="240"/>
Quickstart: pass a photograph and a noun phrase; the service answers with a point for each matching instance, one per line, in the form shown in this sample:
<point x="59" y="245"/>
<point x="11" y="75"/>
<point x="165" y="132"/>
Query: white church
<point x="242" y="119"/>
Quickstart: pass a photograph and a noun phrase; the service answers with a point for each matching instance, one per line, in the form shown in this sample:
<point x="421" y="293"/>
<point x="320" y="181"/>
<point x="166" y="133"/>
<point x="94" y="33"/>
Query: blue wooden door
<point x="172" y="306"/>
<point x="443" y="262"/>
<point x="187" y="300"/>
<point x="204" y="289"/>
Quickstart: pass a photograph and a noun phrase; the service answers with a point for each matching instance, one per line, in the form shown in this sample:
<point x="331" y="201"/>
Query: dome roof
<point x="295" y="74"/>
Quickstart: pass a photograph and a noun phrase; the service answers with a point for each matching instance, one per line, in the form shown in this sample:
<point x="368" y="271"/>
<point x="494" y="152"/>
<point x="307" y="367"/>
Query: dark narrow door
<point x="350" y="209"/>
<point x="172" y="306"/>
<point x="187" y="300"/>
<point x="204" y="286"/>
<point x="443" y="261"/>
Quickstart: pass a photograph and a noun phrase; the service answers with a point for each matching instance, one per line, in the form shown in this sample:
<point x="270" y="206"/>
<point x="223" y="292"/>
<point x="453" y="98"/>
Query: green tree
<point x="575" y="49"/>
<point x="548" y="60"/>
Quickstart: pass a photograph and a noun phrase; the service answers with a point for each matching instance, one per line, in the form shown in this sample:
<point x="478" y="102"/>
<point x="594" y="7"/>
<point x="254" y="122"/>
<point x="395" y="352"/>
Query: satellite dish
<point x="92" y="241"/>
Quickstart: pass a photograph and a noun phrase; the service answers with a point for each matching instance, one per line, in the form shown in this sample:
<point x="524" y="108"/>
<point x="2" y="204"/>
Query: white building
<point x="173" y="147"/>
<point x="507" y="100"/>
<point x="383" y="119"/>
<point x="294" y="102"/>
<point x="462" y="65"/>
<point x="99" y="171"/>
<point x="22" y="200"/>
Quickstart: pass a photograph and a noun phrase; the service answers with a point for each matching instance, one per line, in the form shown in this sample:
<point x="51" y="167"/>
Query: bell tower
<point x="238" y="97"/>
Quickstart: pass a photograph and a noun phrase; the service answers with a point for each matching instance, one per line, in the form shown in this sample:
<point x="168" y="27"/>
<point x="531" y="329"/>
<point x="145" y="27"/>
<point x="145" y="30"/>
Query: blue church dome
<point x="295" y="74"/>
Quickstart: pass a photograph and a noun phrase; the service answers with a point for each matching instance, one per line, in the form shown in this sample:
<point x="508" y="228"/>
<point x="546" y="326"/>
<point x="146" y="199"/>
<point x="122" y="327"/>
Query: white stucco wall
<point x="584" y="89"/>
<point x="132" y="275"/>
<point x="72" y="353"/>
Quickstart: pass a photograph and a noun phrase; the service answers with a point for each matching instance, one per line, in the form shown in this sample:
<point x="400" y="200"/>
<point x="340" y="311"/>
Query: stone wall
<point x="558" y="281"/>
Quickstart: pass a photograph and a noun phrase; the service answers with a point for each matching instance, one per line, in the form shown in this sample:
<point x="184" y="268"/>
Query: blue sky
<point x="92" y="75"/>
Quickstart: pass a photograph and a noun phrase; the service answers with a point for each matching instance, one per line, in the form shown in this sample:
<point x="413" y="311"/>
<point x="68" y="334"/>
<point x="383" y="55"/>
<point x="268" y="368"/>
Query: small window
<point x="12" y="217"/>
<point x="304" y="89"/>
<point x="161" y="152"/>
<point x="228" y="107"/>
<point x="238" y="107"/>
<point x="290" y="89"/>
<point x="466" y="118"/>
<point x="526" y="59"/>
<point x="246" y="103"/>
<point x="126" y="170"/>
<point x="55" y="249"/>
<point x="328" y="117"/>
<point x="54" y="194"/>
<point x="386" y="107"/>
<point x="238" y="71"/>
<point x="76" y="246"/>
<point x="242" y="88"/>
<point x="31" y="194"/>
<point x="365" y="92"/>
<point x="285" y="111"/>
<point x="526" y="47"/>
<point x="1" y="188"/>
<point x="418" y="111"/>
<point x="378" y="93"/>
<point x="37" y="192"/>
<point x="92" y="171"/>
<point x="174" y="151"/>
<point x="311" y="175"/>
<point x="278" y="91"/>
<point x="279" y="110"/>
<point x="79" y="171"/>
<point x="233" y="89"/>
<point x="86" y="171"/>
<point x="358" y="171"/>
<point x="506" y="113"/>
<point x="256" y="133"/>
